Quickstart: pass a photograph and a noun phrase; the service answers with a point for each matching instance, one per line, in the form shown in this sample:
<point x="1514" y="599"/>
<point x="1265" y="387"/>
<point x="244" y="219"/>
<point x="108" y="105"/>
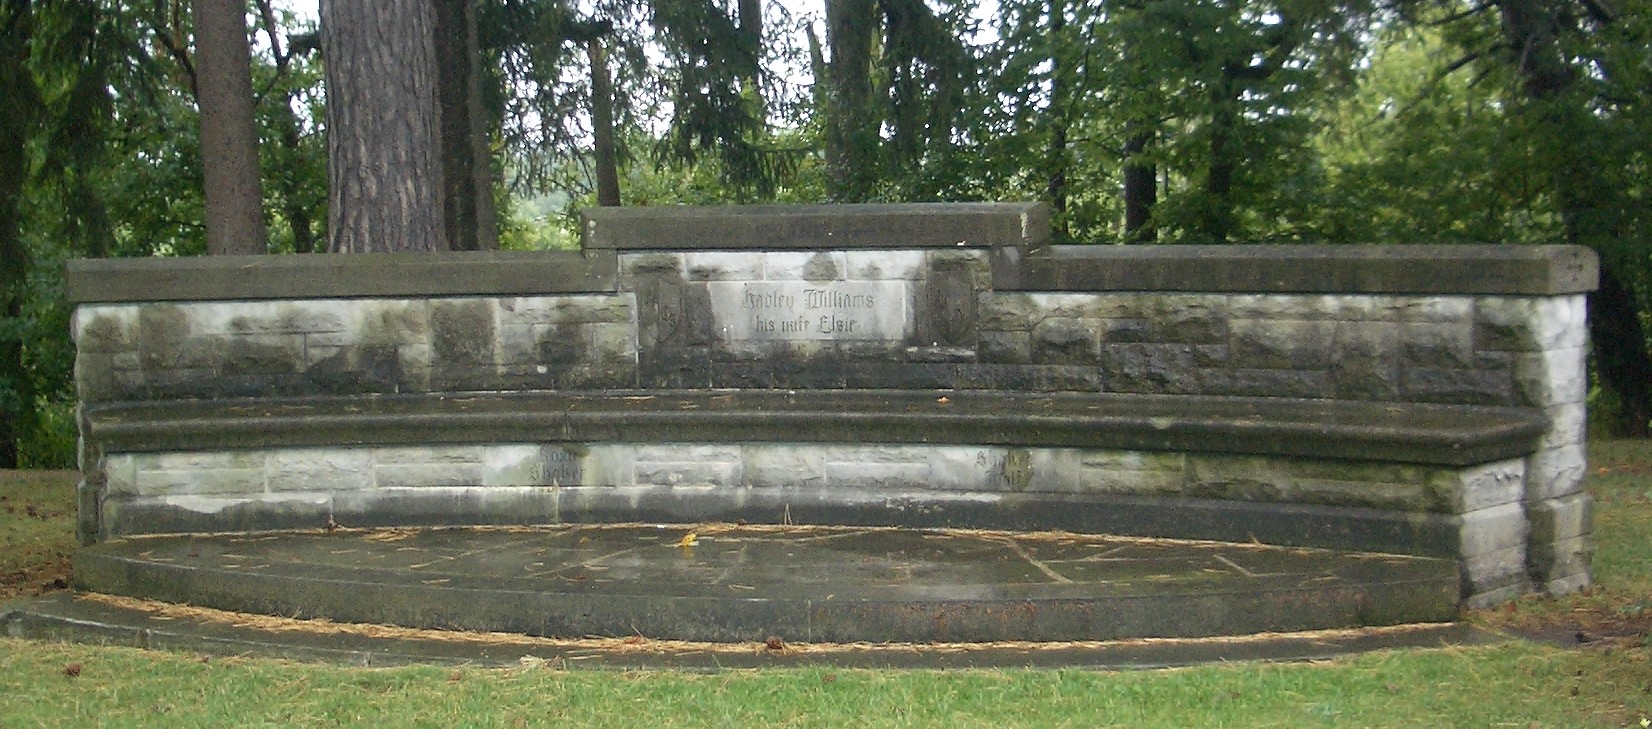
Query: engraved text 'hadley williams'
<point x="810" y="310"/>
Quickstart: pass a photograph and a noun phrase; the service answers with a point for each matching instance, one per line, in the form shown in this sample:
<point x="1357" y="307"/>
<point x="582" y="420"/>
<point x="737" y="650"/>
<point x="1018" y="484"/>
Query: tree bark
<point x="384" y="142"/>
<point x="472" y="222"/>
<point x="481" y="148"/>
<point x="751" y="38"/>
<point x="229" y="138"/>
<point x="851" y="133"/>
<point x="1614" y="327"/>
<point x="1056" y="157"/>
<point x="1141" y="190"/>
<point x="602" y="126"/>
<point x="1215" y="219"/>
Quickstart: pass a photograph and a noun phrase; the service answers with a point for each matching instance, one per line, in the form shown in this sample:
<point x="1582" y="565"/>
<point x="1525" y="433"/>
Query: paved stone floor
<point x="740" y="583"/>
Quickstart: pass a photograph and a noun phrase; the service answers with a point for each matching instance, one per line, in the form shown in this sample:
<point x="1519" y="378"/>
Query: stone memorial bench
<point x="922" y="365"/>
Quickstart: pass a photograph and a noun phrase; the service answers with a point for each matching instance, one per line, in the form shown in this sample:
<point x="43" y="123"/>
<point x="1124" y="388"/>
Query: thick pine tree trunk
<point x="229" y="137"/>
<point x="384" y="162"/>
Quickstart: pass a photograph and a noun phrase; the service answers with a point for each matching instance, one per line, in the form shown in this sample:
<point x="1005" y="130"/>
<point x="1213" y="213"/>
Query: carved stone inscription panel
<point x="810" y="310"/>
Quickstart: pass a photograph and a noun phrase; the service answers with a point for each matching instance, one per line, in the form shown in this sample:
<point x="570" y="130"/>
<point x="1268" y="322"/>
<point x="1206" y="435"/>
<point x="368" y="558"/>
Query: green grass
<point x="37" y="526"/>
<point x="1515" y="684"/>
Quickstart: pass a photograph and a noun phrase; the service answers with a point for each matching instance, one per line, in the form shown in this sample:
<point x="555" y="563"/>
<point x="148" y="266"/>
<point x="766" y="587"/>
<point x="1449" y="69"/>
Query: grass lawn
<point x="1606" y="681"/>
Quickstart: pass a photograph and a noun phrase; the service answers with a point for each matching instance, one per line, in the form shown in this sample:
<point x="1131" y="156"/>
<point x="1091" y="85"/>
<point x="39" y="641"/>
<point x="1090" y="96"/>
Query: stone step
<point x="731" y="583"/>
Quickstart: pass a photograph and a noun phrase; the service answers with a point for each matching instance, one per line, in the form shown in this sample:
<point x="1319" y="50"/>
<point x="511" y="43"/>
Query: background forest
<point x="1138" y="121"/>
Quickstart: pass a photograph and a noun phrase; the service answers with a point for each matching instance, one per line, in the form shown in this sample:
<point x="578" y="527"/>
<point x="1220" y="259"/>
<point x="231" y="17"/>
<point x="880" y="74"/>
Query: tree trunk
<point x="1056" y="157"/>
<point x="602" y="126"/>
<point x="1215" y="215"/>
<point x="1141" y="190"/>
<point x="851" y="130"/>
<point x="481" y="148"/>
<point x="456" y="61"/>
<point x="1614" y="325"/>
<point x="751" y="39"/>
<point x="384" y="143"/>
<point x="229" y="138"/>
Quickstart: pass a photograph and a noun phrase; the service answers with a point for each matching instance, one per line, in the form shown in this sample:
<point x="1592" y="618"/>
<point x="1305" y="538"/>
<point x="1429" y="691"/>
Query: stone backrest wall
<point x="212" y="349"/>
<point x="909" y="299"/>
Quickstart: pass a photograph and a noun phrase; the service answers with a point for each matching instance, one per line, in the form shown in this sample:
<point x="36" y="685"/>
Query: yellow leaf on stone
<point x="690" y="539"/>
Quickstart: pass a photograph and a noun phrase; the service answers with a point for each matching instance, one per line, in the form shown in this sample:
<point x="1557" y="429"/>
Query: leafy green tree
<point x="1582" y="72"/>
<point x="56" y="62"/>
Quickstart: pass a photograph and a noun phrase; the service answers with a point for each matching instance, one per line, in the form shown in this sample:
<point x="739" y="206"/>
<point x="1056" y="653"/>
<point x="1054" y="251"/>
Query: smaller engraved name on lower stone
<point x="827" y="324"/>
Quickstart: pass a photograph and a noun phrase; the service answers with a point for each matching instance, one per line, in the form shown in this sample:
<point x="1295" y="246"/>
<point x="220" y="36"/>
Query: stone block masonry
<point x="292" y="392"/>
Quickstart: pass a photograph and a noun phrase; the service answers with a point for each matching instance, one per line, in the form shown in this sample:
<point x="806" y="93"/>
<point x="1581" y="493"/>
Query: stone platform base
<point x="729" y="583"/>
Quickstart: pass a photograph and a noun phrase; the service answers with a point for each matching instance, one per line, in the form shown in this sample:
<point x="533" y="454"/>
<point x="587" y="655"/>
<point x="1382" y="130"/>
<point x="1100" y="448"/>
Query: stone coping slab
<point x="325" y="276"/>
<point x="1350" y="269"/>
<point x="724" y="582"/>
<point x="1425" y="434"/>
<point x="1513" y="270"/>
<point x="810" y="227"/>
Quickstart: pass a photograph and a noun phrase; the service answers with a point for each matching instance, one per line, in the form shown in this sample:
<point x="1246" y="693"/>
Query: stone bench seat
<point x="1444" y="435"/>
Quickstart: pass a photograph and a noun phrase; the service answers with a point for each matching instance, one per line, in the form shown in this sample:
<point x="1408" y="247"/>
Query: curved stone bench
<point x="856" y="365"/>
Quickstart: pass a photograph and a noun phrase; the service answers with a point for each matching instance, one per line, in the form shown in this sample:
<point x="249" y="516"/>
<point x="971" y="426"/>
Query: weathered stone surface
<point x="1314" y="482"/>
<point x="320" y="469"/>
<point x="1457" y="387"/>
<point x="1281" y="344"/>
<point x="723" y="266"/>
<point x="1570" y="426"/>
<point x="1290" y="383"/>
<point x="1555" y="472"/>
<point x="1065" y="341"/>
<point x="187" y="513"/>
<point x="105" y="329"/>
<point x="1366" y="378"/>
<point x="1494" y="578"/>
<point x="1365" y="339"/>
<point x="164" y="333"/>
<point x="1437" y="346"/>
<point x="883" y="265"/>
<point x="807" y="227"/>
<point x="946" y="314"/>
<point x="811" y="266"/>
<point x="1348" y="269"/>
<point x="1557" y="520"/>
<point x="1493" y="530"/>
<point x="1553" y="377"/>
<point x="1477" y="487"/>
<point x="1531" y="324"/>
<point x="1556" y="562"/>
<point x="462" y="333"/>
